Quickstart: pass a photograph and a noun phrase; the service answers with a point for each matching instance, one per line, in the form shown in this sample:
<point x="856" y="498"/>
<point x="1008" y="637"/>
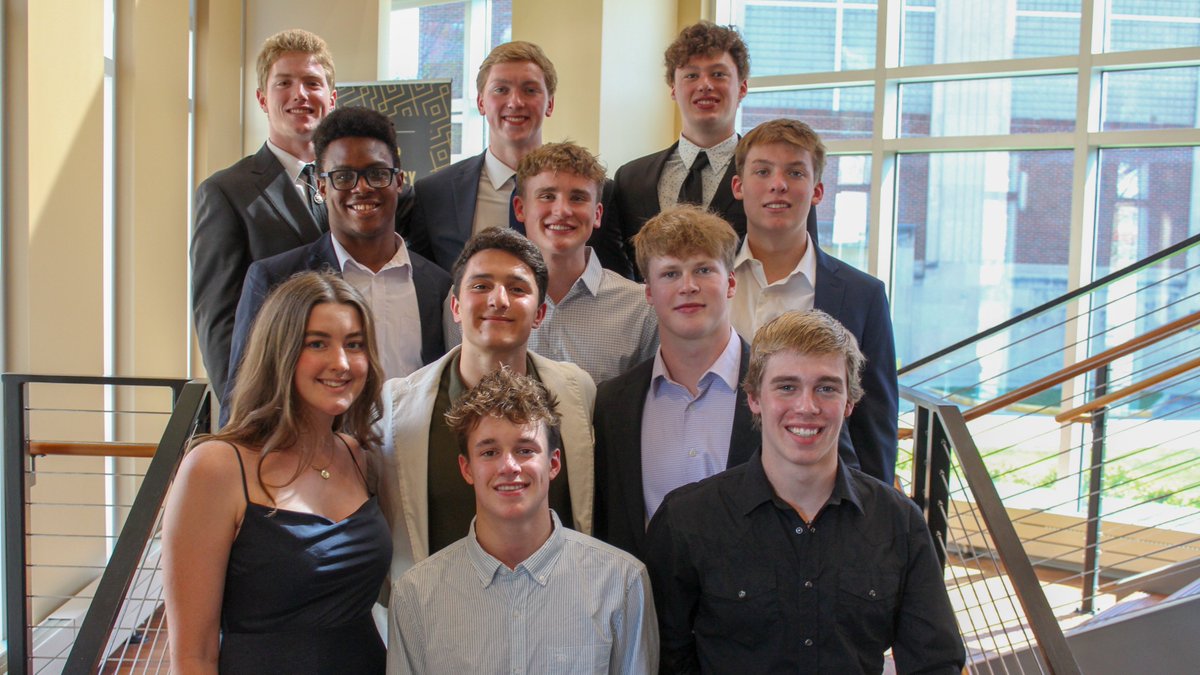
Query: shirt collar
<point x="593" y="274"/>
<point x="292" y="164"/>
<point x="807" y="267"/>
<point x="498" y="172"/>
<point x="539" y="566"/>
<point x="718" y="155"/>
<point x="400" y="259"/>
<point x="725" y="367"/>
<point x="757" y="490"/>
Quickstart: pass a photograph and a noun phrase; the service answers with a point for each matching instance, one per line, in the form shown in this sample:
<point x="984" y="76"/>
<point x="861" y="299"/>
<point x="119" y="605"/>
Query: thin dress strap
<point x="354" y="461"/>
<point x="238" y="453"/>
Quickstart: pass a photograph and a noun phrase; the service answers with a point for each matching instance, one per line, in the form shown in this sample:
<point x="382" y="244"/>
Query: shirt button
<point x="516" y="614"/>
<point x="808" y="584"/>
<point x="800" y="530"/>
<point x="741" y="594"/>
<point x="808" y="642"/>
<point x="871" y="593"/>
<point x="691" y="453"/>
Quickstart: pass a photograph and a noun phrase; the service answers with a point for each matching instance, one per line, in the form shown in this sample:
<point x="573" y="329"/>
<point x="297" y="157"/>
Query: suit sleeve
<point x="607" y="241"/>
<point x="623" y="220"/>
<point x="410" y="223"/>
<point x="874" y="420"/>
<point x="220" y="254"/>
<point x="600" y="483"/>
<point x="254" y="293"/>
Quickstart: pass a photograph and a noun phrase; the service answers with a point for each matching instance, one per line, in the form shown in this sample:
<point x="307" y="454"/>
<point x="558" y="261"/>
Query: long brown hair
<point x="264" y="410"/>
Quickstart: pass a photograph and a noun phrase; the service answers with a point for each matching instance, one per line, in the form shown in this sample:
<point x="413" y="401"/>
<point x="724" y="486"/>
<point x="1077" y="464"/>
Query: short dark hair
<point x="357" y="123"/>
<point x="503" y="239"/>
<point x="505" y="395"/>
<point x="707" y="39"/>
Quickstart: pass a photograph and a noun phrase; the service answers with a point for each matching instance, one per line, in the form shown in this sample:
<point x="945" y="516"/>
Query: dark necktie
<point x="692" y="190"/>
<point x="308" y="176"/>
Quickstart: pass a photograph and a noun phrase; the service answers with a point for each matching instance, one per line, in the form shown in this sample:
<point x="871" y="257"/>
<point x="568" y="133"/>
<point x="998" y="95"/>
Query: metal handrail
<point x="87" y="651"/>
<point x="82" y="449"/>
<point x="1108" y="399"/>
<point x="940" y="421"/>
<point x="15" y="518"/>
<point x="1106" y="280"/>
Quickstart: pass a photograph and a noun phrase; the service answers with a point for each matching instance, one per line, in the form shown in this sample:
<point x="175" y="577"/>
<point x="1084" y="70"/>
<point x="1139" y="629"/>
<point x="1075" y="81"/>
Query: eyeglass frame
<point x="360" y="174"/>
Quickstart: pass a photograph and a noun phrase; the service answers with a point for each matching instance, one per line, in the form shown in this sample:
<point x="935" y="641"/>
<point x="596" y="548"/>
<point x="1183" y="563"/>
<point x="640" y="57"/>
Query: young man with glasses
<point x="360" y="181"/>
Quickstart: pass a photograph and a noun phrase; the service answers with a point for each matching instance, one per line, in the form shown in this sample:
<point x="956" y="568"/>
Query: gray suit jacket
<point x="244" y="213"/>
<point x="620" y="507"/>
<point x="432" y="284"/>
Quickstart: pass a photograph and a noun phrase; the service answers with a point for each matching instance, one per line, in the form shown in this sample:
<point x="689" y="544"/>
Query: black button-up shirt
<point x="742" y="584"/>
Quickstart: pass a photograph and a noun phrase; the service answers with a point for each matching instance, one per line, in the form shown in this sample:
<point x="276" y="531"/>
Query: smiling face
<point x="802" y="401"/>
<point x="707" y="90"/>
<point x="510" y="467"/>
<point x="361" y="213"/>
<point x="777" y="187"/>
<point x="560" y="210"/>
<point x="332" y="368"/>
<point x="297" y="98"/>
<point x="690" y="296"/>
<point x="515" y="102"/>
<point x="497" y="302"/>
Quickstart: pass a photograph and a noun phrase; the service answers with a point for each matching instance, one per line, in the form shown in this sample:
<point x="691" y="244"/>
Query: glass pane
<point x="1022" y="105"/>
<point x="843" y="217"/>
<point x="842" y="112"/>
<point x="1152" y="24"/>
<point x="981" y="237"/>
<point x="441" y="47"/>
<point x="1150" y="99"/>
<point x="501" y="22"/>
<point x="984" y="30"/>
<point x="1147" y="202"/>
<point x="835" y="36"/>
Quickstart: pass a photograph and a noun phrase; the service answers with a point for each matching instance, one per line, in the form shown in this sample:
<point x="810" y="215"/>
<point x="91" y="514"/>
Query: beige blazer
<point x="404" y="429"/>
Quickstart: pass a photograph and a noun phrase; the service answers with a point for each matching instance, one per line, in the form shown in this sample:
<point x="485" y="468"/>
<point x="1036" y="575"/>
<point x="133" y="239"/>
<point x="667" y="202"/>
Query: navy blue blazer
<point x="619" y="514"/>
<point x="444" y="211"/>
<point x="431" y="282"/>
<point x="634" y="199"/>
<point x="246" y="212"/>
<point x="859" y="302"/>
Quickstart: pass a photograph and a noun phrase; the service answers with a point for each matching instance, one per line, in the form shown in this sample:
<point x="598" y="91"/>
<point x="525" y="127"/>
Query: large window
<point x="432" y="40"/>
<point x="986" y="155"/>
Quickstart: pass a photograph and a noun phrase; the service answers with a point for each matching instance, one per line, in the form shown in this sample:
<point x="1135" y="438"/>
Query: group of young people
<point x="411" y="411"/>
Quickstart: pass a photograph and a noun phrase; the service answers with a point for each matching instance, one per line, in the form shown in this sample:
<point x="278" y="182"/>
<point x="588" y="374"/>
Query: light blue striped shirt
<point x="685" y="438"/>
<point x="577" y="605"/>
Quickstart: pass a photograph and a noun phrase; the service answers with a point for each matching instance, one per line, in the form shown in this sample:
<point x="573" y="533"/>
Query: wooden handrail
<point x="82" y="449"/>
<point x="1095" y="404"/>
<point x="1089" y="364"/>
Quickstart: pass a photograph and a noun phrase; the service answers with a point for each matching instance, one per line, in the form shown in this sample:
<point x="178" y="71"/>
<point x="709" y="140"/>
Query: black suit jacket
<point x="244" y="213"/>
<point x="858" y="301"/>
<point x="635" y="198"/>
<point x="431" y="282"/>
<point x="620" y="507"/>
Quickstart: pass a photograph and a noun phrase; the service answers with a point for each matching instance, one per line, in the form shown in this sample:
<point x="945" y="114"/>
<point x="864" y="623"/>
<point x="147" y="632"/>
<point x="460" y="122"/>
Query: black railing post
<point x="938" y="487"/>
<point x="1091" y="551"/>
<point x="15" y="526"/>
<point x="920" y="448"/>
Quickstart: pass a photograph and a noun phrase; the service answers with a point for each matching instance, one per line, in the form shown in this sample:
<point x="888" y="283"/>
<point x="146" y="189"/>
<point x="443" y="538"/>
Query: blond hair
<point x="564" y="157"/>
<point x="516" y="52"/>
<point x="789" y="132"/>
<point x="294" y="40"/>
<point x="682" y="231"/>
<point x="809" y="333"/>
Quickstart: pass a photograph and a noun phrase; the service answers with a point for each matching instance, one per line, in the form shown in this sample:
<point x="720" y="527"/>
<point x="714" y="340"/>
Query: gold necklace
<point x="324" y="471"/>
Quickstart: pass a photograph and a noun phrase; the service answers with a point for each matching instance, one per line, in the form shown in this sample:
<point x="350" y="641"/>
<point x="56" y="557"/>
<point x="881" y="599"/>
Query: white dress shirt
<point x="392" y="297"/>
<point x="496" y="183"/>
<point x="757" y="302"/>
<point x="680" y="162"/>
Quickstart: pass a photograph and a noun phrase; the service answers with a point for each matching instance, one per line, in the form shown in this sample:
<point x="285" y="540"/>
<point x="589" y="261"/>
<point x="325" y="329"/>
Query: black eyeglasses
<point x="346" y="179"/>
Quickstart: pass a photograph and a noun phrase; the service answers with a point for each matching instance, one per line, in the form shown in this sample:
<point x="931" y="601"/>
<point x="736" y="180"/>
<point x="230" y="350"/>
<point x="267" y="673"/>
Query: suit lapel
<point x="322" y="255"/>
<point x="723" y="197"/>
<point x="466" y="192"/>
<point x="830" y="290"/>
<point x="648" y="208"/>
<point x="634" y="396"/>
<point x="744" y="439"/>
<point x="280" y="192"/>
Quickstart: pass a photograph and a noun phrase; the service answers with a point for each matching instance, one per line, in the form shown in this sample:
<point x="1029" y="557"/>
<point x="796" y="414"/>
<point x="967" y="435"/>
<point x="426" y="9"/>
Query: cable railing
<point x="86" y="467"/>
<point x="1085" y="415"/>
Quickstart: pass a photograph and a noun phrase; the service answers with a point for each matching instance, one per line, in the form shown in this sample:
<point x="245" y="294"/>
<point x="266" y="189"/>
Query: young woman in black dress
<point x="274" y="545"/>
